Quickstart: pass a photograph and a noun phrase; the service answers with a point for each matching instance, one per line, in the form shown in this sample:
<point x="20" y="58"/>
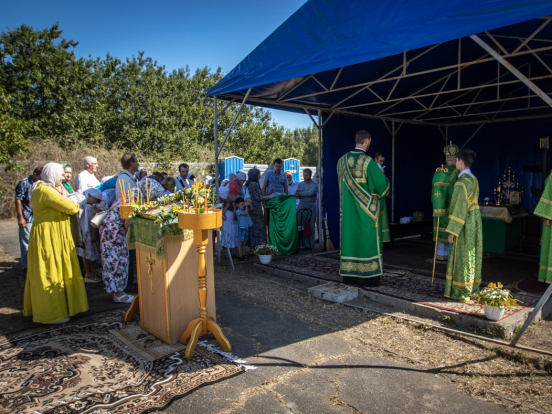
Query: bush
<point x="109" y="163"/>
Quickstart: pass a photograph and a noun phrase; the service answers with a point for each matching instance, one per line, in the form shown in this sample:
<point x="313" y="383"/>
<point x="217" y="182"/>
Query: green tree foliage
<point x="12" y="138"/>
<point x="134" y="104"/>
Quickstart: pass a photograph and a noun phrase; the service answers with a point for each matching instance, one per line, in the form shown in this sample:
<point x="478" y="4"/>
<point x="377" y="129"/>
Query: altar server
<point x="464" y="226"/>
<point x="362" y="190"/>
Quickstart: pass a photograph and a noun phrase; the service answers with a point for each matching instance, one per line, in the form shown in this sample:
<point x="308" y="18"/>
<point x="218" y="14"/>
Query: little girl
<point x="233" y="193"/>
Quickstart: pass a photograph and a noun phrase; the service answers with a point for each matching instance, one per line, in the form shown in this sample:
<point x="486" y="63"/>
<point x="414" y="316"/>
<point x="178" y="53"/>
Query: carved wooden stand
<point x="201" y="224"/>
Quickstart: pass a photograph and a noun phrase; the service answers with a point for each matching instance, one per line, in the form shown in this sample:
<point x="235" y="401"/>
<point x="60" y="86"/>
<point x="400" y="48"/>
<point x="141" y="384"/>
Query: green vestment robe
<point x="282" y="229"/>
<point x="466" y="253"/>
<point x="362" y="191"/>
<point x="544" y="210"/>
<point x="443" y="184"/>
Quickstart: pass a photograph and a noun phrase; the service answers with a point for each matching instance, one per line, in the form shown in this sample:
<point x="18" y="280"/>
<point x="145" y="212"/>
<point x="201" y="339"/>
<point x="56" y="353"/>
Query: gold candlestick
<point x="201" y="224"/>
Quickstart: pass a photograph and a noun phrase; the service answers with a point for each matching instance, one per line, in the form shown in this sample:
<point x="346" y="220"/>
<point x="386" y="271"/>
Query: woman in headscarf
<point x="257" y="232"/>
<point x="65" y="188"/>
<point x="90" y="253"/>
<point x="115" y="255"/>
<point x="54" y="289"/>
<point x="152" y="187"/>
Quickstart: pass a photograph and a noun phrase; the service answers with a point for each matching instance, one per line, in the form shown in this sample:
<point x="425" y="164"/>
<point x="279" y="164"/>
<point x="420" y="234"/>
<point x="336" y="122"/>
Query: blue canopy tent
<point x="432" y="70"/>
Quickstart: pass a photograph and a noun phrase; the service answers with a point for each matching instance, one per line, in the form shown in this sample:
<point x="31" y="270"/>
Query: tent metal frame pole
<point x="409" y="75"/>
<point x="320" y="179"/>
<point x="393" y="171"/>
<point x="513" y="69"/>
<point x="473" y="135"/>
<point x="218" y="150"/>
<point x="533" y="315"/>
<point x="215" y="133"/>
<point x="397" y="101"/>
<point x="217" y="184"/>
<point x="490" y="113"/>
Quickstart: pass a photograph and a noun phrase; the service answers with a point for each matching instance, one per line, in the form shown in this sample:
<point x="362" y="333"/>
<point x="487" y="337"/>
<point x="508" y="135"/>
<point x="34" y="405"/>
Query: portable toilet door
<point x="231" y="166"/>
<point x="293" y="165"/>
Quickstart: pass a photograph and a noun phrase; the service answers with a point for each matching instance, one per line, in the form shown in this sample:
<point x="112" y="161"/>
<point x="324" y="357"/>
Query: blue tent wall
<point x="499" y="146"/>
<point x="415" y="146"/>
<point x="419" y="151"/>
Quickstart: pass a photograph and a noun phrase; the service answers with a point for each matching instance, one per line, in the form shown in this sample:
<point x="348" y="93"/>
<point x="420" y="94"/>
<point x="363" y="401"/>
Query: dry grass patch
<point x="479" y="369"/>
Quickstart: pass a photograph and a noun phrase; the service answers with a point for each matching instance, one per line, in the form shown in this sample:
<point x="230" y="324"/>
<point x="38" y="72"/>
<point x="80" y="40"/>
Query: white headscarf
<point x="51" y="175"/>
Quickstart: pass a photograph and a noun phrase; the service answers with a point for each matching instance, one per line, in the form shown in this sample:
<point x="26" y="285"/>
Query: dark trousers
<point x="131" y="281"/>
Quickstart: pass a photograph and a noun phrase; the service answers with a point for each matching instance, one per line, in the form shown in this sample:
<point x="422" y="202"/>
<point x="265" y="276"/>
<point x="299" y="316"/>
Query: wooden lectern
<point x="167" y="288"/>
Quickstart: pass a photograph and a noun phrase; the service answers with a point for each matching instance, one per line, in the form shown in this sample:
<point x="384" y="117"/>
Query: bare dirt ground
<point x="515" y="379"/>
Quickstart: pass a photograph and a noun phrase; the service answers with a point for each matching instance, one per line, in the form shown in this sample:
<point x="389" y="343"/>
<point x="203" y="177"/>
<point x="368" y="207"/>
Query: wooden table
<point x="502" y="228"/>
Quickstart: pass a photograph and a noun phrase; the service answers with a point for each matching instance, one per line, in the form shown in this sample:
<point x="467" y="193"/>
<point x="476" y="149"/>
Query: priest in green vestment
<point x="465" y="230"/>
<point x="442" y="186"/>
<point x="544" y="210"/>
<point x="362" y="191"/>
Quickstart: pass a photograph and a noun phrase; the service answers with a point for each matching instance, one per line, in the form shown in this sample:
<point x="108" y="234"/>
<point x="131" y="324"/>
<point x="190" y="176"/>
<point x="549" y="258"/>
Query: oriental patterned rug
<point x="82" y="367"/>
<point x="401" y="284"/>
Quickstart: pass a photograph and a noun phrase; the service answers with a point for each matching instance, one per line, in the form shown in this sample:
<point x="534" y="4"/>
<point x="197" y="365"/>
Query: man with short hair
<point x="362" y="188"/>
<point x="275" y="182"/>
<point x="130" y="165"/>
<point x="86" y="179"/>
<point x="465" y="230"/>
<point x="307" y="195"/>
<point x="24" y="209"/>
<point x="183" y="181"/>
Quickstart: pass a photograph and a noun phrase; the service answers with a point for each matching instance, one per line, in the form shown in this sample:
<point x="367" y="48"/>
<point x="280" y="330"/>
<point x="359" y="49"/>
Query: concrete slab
<point x="504" y="328"/>
<point x="300" y="400"/>
<point x="264" y="403"/>
<point x="372" y="385"/>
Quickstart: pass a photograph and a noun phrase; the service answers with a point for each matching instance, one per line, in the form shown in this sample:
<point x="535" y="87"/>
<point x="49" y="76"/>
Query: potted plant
<point x="495" y="299"/>
<point x="265" y="252"/>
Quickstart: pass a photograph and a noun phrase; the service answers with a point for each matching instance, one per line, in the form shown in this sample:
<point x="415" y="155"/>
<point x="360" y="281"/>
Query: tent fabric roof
<point x="329" y="51"/>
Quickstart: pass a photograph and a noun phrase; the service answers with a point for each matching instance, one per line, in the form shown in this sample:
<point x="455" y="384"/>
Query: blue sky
<point x="175" y="33"/>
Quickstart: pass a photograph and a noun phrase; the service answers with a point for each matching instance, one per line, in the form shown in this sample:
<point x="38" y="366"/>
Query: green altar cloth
<point x="151" y="237"/>
<point x="282" y="229"/>
<point x="502" y="228"/>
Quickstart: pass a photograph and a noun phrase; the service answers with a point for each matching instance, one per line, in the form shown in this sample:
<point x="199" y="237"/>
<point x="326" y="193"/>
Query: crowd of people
<point x="72" y="236"/>
<point x="245" y="228"/>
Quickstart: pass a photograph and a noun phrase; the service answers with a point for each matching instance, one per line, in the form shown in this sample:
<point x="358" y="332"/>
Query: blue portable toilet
<point x="230" y="165"/>
<point x="293" y="165"/>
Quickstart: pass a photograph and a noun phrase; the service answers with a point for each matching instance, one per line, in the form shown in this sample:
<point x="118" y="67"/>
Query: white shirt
<point x="292" y="188"/>
<point x="466" y="171"/>
<point x="85" y="180"/>
<point x="183" y="183"/>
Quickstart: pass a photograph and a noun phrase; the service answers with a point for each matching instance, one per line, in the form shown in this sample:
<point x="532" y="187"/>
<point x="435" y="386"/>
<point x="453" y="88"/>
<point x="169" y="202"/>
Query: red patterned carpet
<point x="406" y="285"/>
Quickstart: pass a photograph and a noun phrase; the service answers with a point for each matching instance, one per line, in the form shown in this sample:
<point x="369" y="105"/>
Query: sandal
<point x="92" y="279"/>
<point x="126" y="298"/>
